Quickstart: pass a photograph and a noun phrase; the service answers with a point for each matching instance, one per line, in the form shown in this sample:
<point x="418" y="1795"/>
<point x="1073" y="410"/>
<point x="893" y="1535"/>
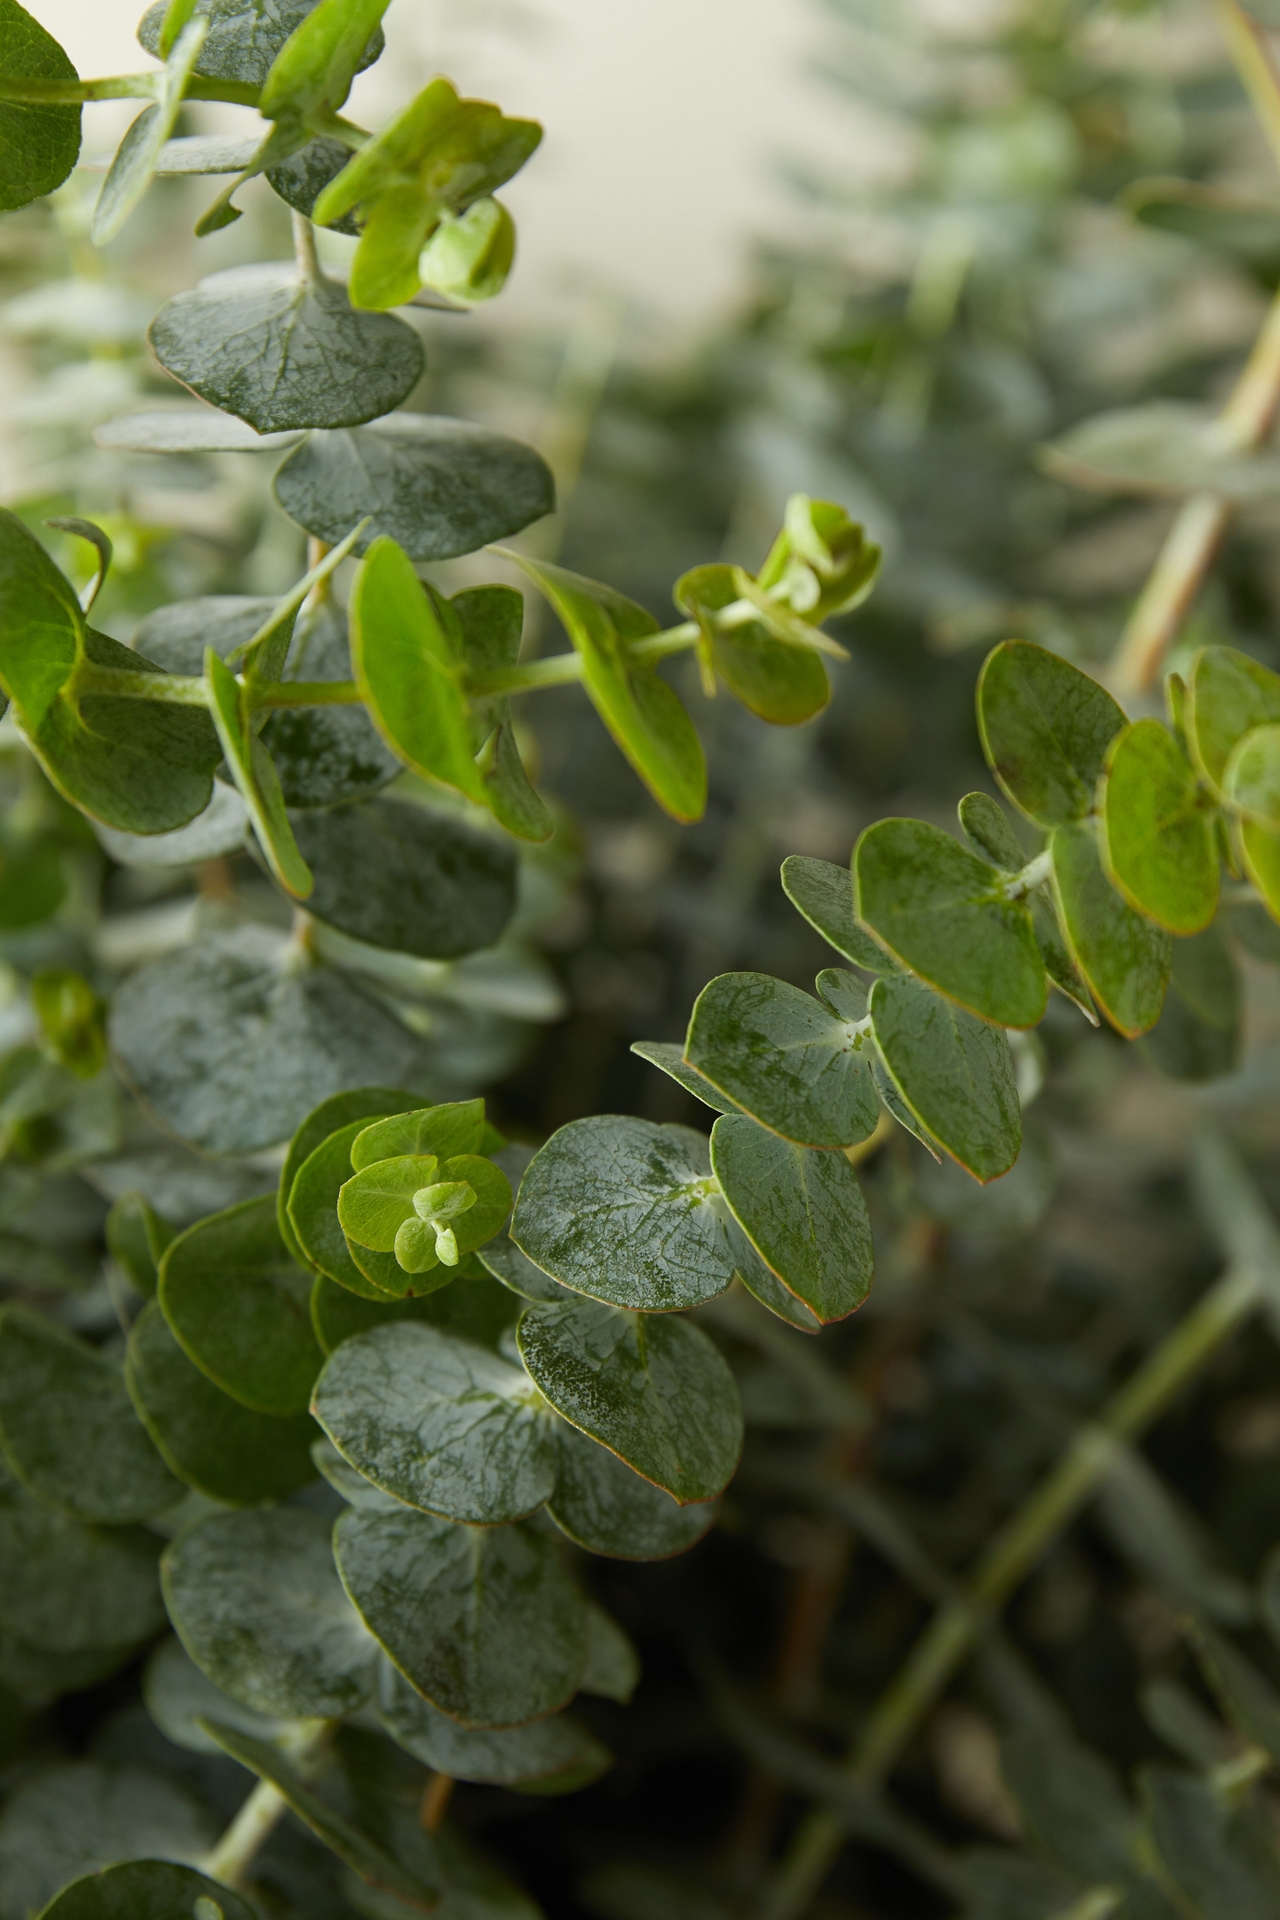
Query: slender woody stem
<point x="231" y="1858"/>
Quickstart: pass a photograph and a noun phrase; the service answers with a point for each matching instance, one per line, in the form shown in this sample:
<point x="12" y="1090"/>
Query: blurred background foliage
<point x="1015" y="272"/>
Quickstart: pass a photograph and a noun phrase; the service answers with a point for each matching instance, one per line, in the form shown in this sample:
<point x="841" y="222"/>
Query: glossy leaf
<point x="945" y="914"/>
<point x="802" y="1211"/>
<point x="440" y="1423"/>
<point x="256" y="1601"/>
<point x="362" y="1103"/>
<point x="1159" y="839"/>
<point x="1045" y="730"/>
<point x="640" y="710"/>
<point x="208" y="1439"/>
<point x="623" y="1210"/>
<point x="1124" y="959"/>
<point x="823" y="893"/>
<point x="283" y="352"/>
<point x="453" y="1128"/>
<point x="312" y="72"/>
<point x="653" y="1389"/>
<point x="557" y="1754"/>
<point x="39" y="146"/>
<point x="780" y="683"/>
<point x="136" y="156"/>
<point x="66" y="1587"/>
<point x="68" y="1429"/>
<point x="953" y="1072"/>
<point x="146" y="1890"/>
<point x="607" y="1508"/>
<point x="763" y="1284"/>
<point x="240" y="1308"/>
<point x="1228" y="694"/>
<point x="484" y="1622"/>
<point x="669" y="1059"/>
<point x="436" y="486"/>
<point x="1197" y="1036"/>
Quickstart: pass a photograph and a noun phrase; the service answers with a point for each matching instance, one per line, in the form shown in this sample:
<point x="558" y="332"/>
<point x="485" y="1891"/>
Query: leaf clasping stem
<point x="1028" y="878"/>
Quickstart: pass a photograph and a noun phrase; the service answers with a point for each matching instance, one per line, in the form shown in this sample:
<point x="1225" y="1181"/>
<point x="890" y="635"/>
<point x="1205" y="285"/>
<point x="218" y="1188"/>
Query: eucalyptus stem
<point x="304" y="249"/>
<point x="120" y="86"/>
<point x="230" y="1859"/>
<point x="958" y="1623"/>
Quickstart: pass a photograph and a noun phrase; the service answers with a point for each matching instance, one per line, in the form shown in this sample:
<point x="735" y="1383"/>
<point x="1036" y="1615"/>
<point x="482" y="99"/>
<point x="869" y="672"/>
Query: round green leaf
<point x="68" y="1428"/>
<point x="66" y="1587"/>
<point x="479" y="1311"/>
<point x="763" y="1284"/>
<point x="396" y="876"/>
<point x="1228" y="694"/>
<point x="802" y="1211"/>
<point x="953" y="1073"/>
<point x="503" y="1259"/>
<point x="178" y="1696"/>
<point x="147" y="1890"/>
<point x="623" y="1210"/>
<point x="313" y="1213"/>
<point x="650" y="1388"/>
<point x="71" y="1820"/>
<point x="440" y="1423"/>
<point x="374" y="1204"/>
<point x="1197" y="1036"/>
<point x="1045" y="730"/>
<point x="787" y="1059"/>
<point x="780" y="683"/>
<point x="1124" y="959"/>
<point x="244" y="36"/>
<point x="256" y="1601"/>
<point x="233" y="1041"/>
<point x="240" y="1308"/>
<point x="669" y="1059"/>
<point x="456" y="1126"/>
<point x="338" y="1111"/>
<point x="1251" y="779"/>
<point x="303" y="177"/>
<point x="945" y="914"/>
<point x="209" y="1440"/>
<point x="484" y="1622"/>
<point x="558" y="1753"/>
<point x="284" y="352"/>
<point x="985" y="827"/>
<point x="607" y="1508"/>
<point x="1158" y="837"/>
<point x="823" y="893"/>
<point x="437" y="487"/>
<point x="39" y="146"/>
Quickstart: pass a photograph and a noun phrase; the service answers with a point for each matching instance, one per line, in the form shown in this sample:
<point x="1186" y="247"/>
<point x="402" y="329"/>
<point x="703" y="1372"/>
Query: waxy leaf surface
<point x="361" y="1103"/>
<point x="558" y="1752"/>
<point x="1159" y="840"/>
<point x="1124" y="959"/>
<point x="244" y="36"/>
<point x="607" y="1508"/>
<point x="823" y="893"/>
<point x="313" y="1214"/>
<point x="669" y="1059"/>
<point x="954" y="1074"/>
<point x="1045" y="730"/>
<point x="456" y="1126"/>
<point x="781" y="683"/>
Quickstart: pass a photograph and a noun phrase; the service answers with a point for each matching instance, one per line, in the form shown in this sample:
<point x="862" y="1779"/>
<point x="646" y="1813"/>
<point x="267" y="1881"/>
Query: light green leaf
<point x="70" y="1015"/>
<point x="440" y="1423"/>
<point x="623" y="1210"/>
<point x="470" y="255"/>
<point x="652" y="1389"/>
<point x="39" y="146"/>
<point x="788" y="1060"/>
<point x="66" y="1821"/>
<point x="256" y="1601"/>
<point x="607" y="1508"/>
<point x="283" y="352"/>
<point x="244" y="36"/>
<point x="66" y="1587"/>
<point x="1228" y="694"/>
<point x="439" y="487"/>
<point x="556" y="1755"/>
<point x="1197" y="1036"/>
<point x="669" y="1058"/>
<point x="1045" y="730"/>
<point x="208" y="1439"/>
<point x="509" y="794"/>
<point x="374" y="1204"/>
<point x="1251" y="779"/>
<point x="1159" y="838"/>
<point x="233" y="1041"/>
<point x="1124" y="959"/>
<point x="945" y="914"/>
<point x="989" y="834"/>
<point x="396" y="876"/>
<point x="456" y="1127"/>
<point x="953" y="1073"/>
<point x="68" y="1429"/>
<point x="240" y="1308"/>
<point x="256" y="777"/>
<point x="1163" y="447"/>
<point x="484" y="1622"/>
<point x="821" y="561"/>
<point x="823" y="893"/>
<point x="313" y="70"/>
<point x="313" y="1214"/>
<point x="640" y="710"/>
<point x="178" y="1696"/>
<point x="778" y="682"/>
<point x="138" y="152"/>
<point x="362" y="1103"/>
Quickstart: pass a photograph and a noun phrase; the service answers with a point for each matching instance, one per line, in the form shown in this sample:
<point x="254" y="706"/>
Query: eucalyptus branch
<point x="120" y="86"/>
<point x="233" y="1854"/>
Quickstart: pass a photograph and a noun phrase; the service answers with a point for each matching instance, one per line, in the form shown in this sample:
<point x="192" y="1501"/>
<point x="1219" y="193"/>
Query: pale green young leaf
<point x="470" y="255"/>
<point x="136" y="1239"/>
<point x="622" y="1210"/>
<point x="1158" y="838"/>
<point x="822" y="560"/>
<point x="1228" y="694"/>
<point x="823" y="893"/>
<point x="362" y="1103"/>
<point x="313" y="1213"/>
<point x="313" y="70"/>
<point x="374" y="1204"/>
<point x="39" y="145"/>
<point x="1045" y="730"/>
<point x="954" y="1073"/>
<point x="652" y="1388"/>
<point x="146" y="1890"/>
<point x="440" y="1423"/>
<point x="1123" y="957"/>
<point x="557" y="1754"/>
<point x="1251" y="778"/>
<point x="136" y="157"/>
<point x="606" y="1507"/>
<point x="778" y="682"/>
<point x="456" y="1127"/>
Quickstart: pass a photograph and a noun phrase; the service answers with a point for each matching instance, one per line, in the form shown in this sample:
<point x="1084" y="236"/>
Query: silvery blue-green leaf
<point x="954" y="1074"/>
<point x="440" y="1423"/>
<point x="232" y="1042"/>
<point x="333" y="1114"/>
<point x="219" y="830"/>
<point x="65" y="1586"/>
<point x="191" y="153"/>
<point x="1162" y="447"/>
<point x="76" y="1819"/>
<point x="785" y="1058"/>
<point x="802" y="1211"/>
<point x="286" y="352"/>
<point x="613" y="1665"/>
<point x="607" y="1508"/>
<point x="622" y="1210"/>
<point x="823" y="893"/>
<point x="138" y="152"/>
<point x="244" y="36"/>
<point x="209" y="1440"/>
<point x="503" y="1259"/>
<point x="438" y="487"/>
<point x="240" y="1307"/>
<point x="764" y="1285"/>
<point x="352" y="1487"/>
<point x="325" y="754"/>
<point x="484" y="1622"/>
<point x="68" y="1428"/>
<point x="178" y="1696"/>
<point x="302" y="177"/>
<point x="653" y="1389"/>
<point x="559" y="1753"/>
<point x="669" y="1059"/>
<point x="257" y="1603"/>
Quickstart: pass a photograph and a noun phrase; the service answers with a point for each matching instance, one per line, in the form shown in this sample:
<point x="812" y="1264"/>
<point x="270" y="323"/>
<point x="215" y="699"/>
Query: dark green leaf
<point x="802" y="1211"/>
<point x="240" y="1308"/>
<point x="1045" y="730"/>
<point x="1228" y="694"/>
<point x="79" y="1819"/>
<point x="652" y="1389"/>
<point x="669" y="1058"/>
<point x="823" y="893"/>
<point x="509" y="794"/>
<point x="557" y="1753"/>
<point x="303" y="177"/>
<point x="68" y="1428"/>
<point x="283" y="352"/>
<point x="136" y="156"/>
<point x="39" y="146"/>
<point x="453" y="1128"/>
<point x="613" y="1665"/>
<point x="313" y="1213"/>
<point x="764" y="1285"/>
<point x="954" y="1074"/>
<point x="1124" y="959"/>
<point x="232" y="1042"/>
<point x="1197" y="1036"/>
<point x="945" y="914"/>
<point x="985" y="827"/>
<point x="468" y="1306"/>
<point x="136" y="1239"/>
<point x="484" y="1622"/>
<point x="244" y="36"/>
<point x="623" y="1210"/>
<point x="178" y="1696"/>
<point x="257" y="1603"/>
<point x="436" y="486"/>
<point x="207" y="1438"/>
<point x="606" y="1508"/>
<point x="396" y="876"/>
<point x="1159" y="839"/>
<point x="1072" y="1805"/>
<point x="362" y="1103"/>
<point x="780" y="683"/>
<point x="1192" y="1832"/>
<point x="325" y="754"/>
<point x="66" y="1587"/>
<point x="1248" y="1698"/>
